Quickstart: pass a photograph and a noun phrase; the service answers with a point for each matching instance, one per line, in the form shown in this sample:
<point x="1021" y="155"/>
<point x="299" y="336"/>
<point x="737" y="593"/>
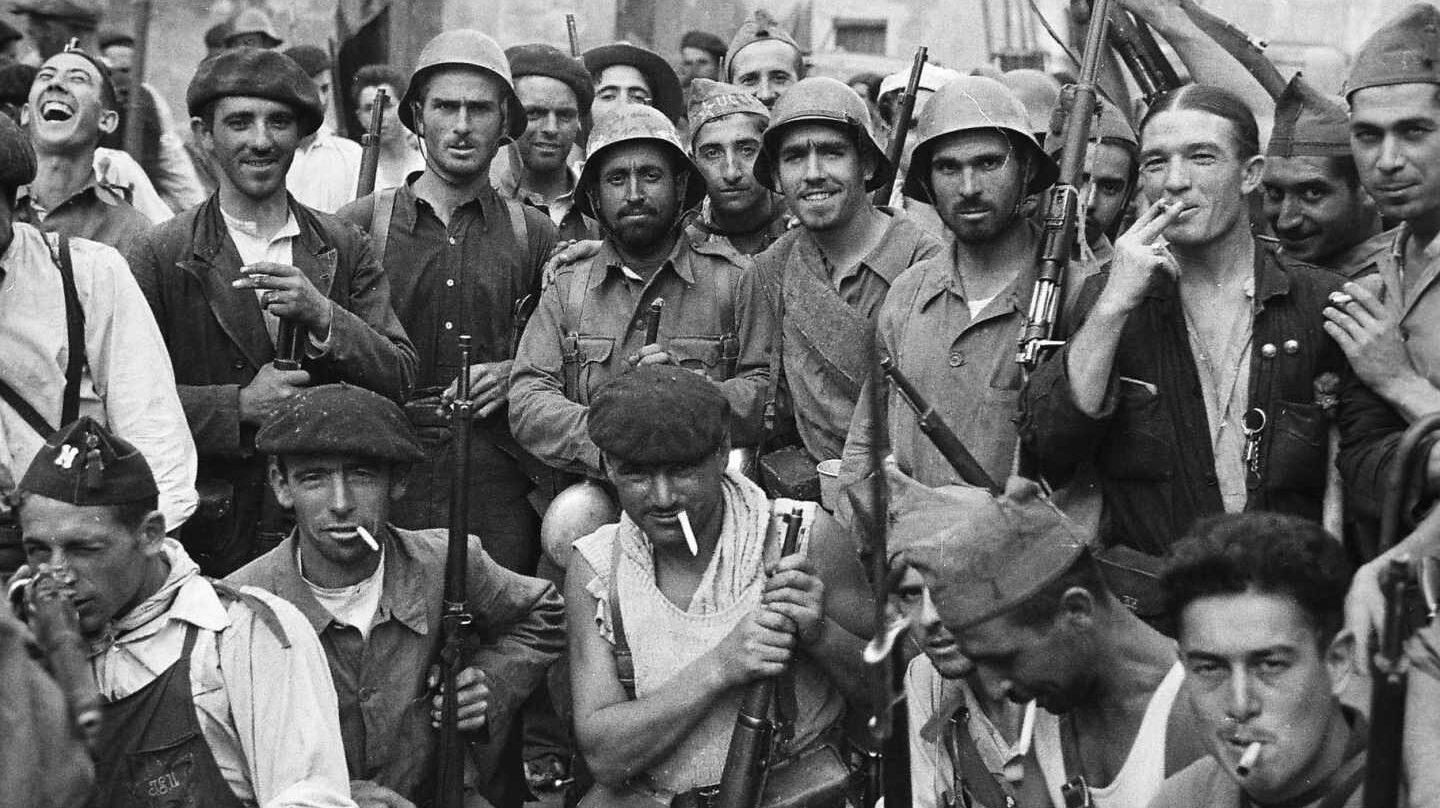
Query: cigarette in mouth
<point x="369" y="540"/>
<point x="689" y="533"/>
<point x="1247" y="760"/>
<point x="1027" y="730"/>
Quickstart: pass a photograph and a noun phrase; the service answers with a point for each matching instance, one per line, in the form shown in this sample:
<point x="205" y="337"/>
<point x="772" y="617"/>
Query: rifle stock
<point x="370" y="147"/>
<point x="903" y="121"/>
<point x="742" y="781"/>
<point x="455" y="616"/>
<point x="938" y="431"/>
<point x="1388" y="689"/>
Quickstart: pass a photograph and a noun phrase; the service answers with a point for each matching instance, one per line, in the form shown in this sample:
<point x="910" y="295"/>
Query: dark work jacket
<point x="1152" y="447"/>
<point x="218" y="342"/>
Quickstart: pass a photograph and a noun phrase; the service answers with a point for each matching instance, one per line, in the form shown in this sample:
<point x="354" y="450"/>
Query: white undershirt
<point x="354" y="605"/>
<point x="978" y="305"/>
<point x="255" y="249"/>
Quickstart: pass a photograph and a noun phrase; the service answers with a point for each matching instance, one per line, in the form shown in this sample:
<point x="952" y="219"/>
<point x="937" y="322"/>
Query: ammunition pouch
<point x="789" y="472"/>
<point x="729" y="355"/>
<point x="570" y="360"/>
<point x="817" y="776"/>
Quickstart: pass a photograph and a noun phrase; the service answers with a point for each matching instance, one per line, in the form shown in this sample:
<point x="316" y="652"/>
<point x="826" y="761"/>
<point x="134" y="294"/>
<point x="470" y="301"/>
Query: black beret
<point x="216" y="34"/>
<point x="15" y="81"/>
<point x="706" y="41"/>
<point x="312" y="59"/>
<point x="546" y="60"/>
<point x="17" y="157"/>
<point x="658" y="415"/>
<point x="83" y="464"/>
<point x="259" y="73"/>
<point x="84" y="12"/>
<point x="340" y="419"/>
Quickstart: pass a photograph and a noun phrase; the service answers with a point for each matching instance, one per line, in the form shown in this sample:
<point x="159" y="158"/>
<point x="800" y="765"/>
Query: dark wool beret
<point x="216" y="34"/>
<point x="17" y="158"/>
<point x="546" y="60"/>
<point x="659" y="415"/>
<point x="258" y="73"/>
<point x="706" y="41"/>
<point x="340" y="419"/>
<point x="85" y="12"/>
<point x="312" y="59"/>
<point x="15" y="81"/>
<point x="83" y="464"/>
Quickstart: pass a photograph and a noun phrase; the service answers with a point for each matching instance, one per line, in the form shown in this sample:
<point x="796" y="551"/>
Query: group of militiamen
<point x="561" y="462"/>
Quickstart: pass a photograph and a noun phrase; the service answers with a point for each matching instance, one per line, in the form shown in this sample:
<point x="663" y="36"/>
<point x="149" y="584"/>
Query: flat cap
<point x="658" y="415"/>
<point x="83" y="464"/>
<point x="546" y="60"/>
<point x="17" y="157"/>
<point x="705" y="41"/>
<point x="311" y="58"/>
<point x="1308" y="124"/>
<point x="710" y="100"/>
<point x="258" y="73"/>
<point x="254" y="21"/>
<point x="758" y="27"/>
<point x="81" y="11"/>
<point x="1405" y="50"/>
<point x="665" y="91"/>
<point x="981" y="554"/>
<point x="340" y="419"/>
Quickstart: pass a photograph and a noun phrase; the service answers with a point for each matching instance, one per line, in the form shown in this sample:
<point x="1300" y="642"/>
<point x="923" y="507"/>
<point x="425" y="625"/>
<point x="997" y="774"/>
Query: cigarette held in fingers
<point x="689" y="533"/>
<point x="1340" y="298"/>
<point x="368" y="539"/>
<point x="1247" y="760"/>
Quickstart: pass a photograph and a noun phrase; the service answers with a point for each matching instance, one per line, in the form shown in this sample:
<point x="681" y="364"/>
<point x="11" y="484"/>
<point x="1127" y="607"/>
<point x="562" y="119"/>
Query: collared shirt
<point x="97" y="212"/>
<point x="255" y="249"/>
<point x="128" y="382"/>
<point x="265" y="704"/>
<point x="507" y="173"/>
<point x="325" y="172"/>
<point x="121" y="171"/>
<point x="380" y="681"/>
<point x="754" y="242"/>
<point x="548" y="412"/>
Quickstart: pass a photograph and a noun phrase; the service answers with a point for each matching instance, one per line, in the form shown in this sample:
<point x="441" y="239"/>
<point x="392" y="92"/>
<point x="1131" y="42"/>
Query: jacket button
<point x="956" y="359"/>
<point x="1292" y="347"/>
<point x="238" y="364"/>
<point x="1211" y="480"/>
<point x="1268" y="350"/>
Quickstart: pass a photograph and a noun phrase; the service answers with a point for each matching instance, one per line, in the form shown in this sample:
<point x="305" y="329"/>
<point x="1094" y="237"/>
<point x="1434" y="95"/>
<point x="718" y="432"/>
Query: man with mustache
<point x="227" y="279"/>
<point x="340" y="458"/>
<point x="1315" y="204"/>
<point x="1258" y="604"/>
<point x="1015" y="582"/>
<point x="462" y="260"/>
<point x="764" y="59"/>
<point x="828" y="278"/>
<point x="540" y="167"/>
<point x="951" y="321"/>
<point x="72" y="104"/>
<point x="726" y="128"/>
<point x="1199" y="379"/>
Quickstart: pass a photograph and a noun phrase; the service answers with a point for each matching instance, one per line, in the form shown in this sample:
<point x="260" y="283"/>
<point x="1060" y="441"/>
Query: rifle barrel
<point x="938" y="431"/>
<point x="1388" y="690"/>
<point x="134" y="132"/>
<point x="370" y="147"/>
<point x="903" y="122"/>
<point x="574" y="35"/>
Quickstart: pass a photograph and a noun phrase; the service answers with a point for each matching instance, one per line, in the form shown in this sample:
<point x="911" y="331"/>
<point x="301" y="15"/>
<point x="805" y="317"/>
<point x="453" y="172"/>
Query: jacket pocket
<point x="696" y="353"/>
<point x="1137" y="447"/>
<point x="1297" y="458"/>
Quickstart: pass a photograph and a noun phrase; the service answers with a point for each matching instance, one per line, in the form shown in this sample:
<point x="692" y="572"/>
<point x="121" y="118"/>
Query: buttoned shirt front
<point x="325" y="172"/>
<point x="128" y="383"/>
<point x="97" y="212"/>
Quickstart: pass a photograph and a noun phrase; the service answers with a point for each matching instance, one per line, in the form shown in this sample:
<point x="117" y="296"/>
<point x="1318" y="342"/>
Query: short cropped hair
<point x="377" y="74"/>
<point x="1041" y="608"/>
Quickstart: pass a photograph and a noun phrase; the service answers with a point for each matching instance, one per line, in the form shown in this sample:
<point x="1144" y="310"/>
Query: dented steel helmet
<point x="464" y="47"/>
<point x="968" y="103"/>
<point x="630" y="123"/>
<point x="820" y="99"/>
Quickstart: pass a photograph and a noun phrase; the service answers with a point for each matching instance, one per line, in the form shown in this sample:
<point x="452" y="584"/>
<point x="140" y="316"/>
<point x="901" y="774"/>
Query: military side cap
<point x="634" y="123"/>
<point x="17" y="157"/>
<point x="821" y="99"/>
<point x="705" y="41"/>
<point x="711" y="100"/>
<point x="758" y="27"/>
<point x="340" y="419"/>
<point x="546" y="60"/>
<point x="257" y="73"/>
<point x="83" y="464"/>
<point x="1308" y="124"/>
<point x="659" y="415"/>
<point x="665" y="91"/>
<point x="86" y="12"/>
<point x="1405" y="50"/>
<point x="981" y="554"/>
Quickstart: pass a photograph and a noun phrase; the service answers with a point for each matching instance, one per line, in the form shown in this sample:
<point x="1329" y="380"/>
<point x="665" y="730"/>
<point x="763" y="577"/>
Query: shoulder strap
<point x="729" y="340"/>
<point x="972" y="776"/>
<point x="624" y="659"/>
<point x="26" y="412"/>
<point x="74" y="329"/>
<point x="575" y="300"/>
<point x="380" y="216"/>
<point x="519" y="226"/>
<point x="230" y="593"/>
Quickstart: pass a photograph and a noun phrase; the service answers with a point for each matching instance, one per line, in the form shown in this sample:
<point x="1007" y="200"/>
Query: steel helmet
<point x="973" y="102"/>
<point x="634" y="122"/>
<point x="820" y="99"/>
<point x="464" y="47"/>
<point x="1109" y="124"/>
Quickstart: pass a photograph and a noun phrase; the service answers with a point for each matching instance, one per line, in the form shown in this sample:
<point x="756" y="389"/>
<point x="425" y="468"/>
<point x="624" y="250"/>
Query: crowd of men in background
<point x="229" y="448"/>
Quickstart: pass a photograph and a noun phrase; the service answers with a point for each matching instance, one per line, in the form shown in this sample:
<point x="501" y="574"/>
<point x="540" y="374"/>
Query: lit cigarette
<point x="369" y="540"/>
<point x="1027" y="730"/>
<point x="1247" y="760"/>
<point x="1340" y="298"/>
<point x="689" y="533"/>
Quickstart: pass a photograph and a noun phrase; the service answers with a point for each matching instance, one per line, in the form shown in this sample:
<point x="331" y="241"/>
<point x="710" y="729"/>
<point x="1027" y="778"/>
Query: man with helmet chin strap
<point x="950" y="322"/>
<point x="462" y="260"/>
<point x="591" y="323"/>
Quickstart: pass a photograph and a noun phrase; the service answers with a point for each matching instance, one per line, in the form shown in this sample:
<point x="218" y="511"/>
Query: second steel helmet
<point x="969" y="103"/>
<point x="464" y="47"/>
<point x="631" y="123"/>
<point x="820" y="99"/>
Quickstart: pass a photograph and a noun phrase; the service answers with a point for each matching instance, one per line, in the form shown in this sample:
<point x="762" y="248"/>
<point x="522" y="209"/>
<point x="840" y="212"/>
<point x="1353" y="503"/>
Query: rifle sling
<point x="76" y="360"/>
